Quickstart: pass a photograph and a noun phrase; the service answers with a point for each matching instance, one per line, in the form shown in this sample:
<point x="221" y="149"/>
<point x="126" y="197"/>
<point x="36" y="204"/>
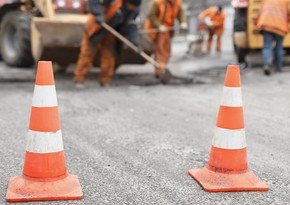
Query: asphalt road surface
<point x="134" y="142"/>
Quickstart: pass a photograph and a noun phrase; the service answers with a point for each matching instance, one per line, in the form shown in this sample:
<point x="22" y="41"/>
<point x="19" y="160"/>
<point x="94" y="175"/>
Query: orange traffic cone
<point x="227" y="169"/>
<point x="44" y="176"/>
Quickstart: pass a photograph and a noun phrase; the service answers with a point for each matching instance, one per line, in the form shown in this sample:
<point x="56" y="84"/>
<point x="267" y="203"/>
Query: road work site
<point x="216" y="133"/>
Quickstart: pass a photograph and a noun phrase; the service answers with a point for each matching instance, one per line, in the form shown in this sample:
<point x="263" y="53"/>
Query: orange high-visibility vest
<point x="92" y="26"/>
<point x="274" y="14"/>
<point x="166" y="14"/>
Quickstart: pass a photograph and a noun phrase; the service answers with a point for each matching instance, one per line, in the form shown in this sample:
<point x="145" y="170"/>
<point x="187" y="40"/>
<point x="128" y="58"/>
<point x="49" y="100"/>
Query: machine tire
<point x="15" y="39"/>
<point x="241" y="54"/>
<point x="235" y="48"/>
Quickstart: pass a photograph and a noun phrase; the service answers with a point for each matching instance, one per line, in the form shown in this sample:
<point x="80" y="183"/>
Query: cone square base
<point x="21" y="189"/>
<point x="220" y="182"/>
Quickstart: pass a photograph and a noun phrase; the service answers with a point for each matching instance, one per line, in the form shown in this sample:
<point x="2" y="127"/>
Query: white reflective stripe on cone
<point x="44" y="142"/>
<point x="44" y="96"/>
<point x="229" y="139"/>
<point x="232" y="97"/>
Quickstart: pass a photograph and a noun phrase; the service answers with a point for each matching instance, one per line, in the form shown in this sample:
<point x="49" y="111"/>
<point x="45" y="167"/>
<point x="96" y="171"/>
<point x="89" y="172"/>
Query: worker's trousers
<point x="269" y="38"/>
<point x="162" y="50"/>
<point x="212" y="33"/>
<point x="106" y="49"/>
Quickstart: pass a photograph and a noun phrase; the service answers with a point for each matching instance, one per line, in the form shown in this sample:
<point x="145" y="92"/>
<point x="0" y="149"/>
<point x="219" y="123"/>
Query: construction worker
<point x="273" y="23"/>
<point x="98" y="39"/>
<point x="160" y="21"/>
<point x="214" y="18"/>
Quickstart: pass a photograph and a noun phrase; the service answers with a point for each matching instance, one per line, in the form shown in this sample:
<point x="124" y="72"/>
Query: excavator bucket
<point x="59" y="38"/>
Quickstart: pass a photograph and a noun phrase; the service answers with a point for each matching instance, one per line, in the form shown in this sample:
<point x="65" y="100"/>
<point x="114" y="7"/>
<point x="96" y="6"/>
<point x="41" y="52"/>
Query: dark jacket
<point x="123" y="22"/>
<point x="98" y="12"/>
<point x="128" y="27"/>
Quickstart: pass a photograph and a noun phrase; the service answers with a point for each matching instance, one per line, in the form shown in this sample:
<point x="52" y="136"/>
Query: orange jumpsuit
<point x="218" y="25"/>
<point x="106" y="49"/>
<point x="87" y="55"/>
<point x="163" y="12"/>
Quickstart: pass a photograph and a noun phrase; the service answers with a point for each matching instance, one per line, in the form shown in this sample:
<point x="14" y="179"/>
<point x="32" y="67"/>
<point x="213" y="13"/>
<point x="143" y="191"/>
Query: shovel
<point x="165" y="75"/>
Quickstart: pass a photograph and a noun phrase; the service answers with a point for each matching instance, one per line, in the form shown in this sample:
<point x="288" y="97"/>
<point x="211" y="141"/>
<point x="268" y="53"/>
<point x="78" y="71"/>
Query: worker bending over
<point x="98" y="41"/>
<point x="159" y="24"/>
<point x="214" y="18"/>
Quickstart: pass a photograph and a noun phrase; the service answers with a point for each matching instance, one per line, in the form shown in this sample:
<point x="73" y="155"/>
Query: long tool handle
<point x="154" y="30"/>
<point x="130" y="44"/>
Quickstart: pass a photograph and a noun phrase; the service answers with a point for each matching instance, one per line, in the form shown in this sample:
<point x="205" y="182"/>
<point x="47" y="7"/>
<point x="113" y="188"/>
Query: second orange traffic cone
<point x="227" y="169"/>
<point x="44" y="175"/>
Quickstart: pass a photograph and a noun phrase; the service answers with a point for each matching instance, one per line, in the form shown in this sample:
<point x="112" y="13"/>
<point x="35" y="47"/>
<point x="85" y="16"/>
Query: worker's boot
<point x="79" y="82"/>
<point x="105" y="85"/>
<point x="157" y="72"/>
<point x="79" y="85"/>
<point x="267" y="69"/>
<point x="165" y="76"/>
